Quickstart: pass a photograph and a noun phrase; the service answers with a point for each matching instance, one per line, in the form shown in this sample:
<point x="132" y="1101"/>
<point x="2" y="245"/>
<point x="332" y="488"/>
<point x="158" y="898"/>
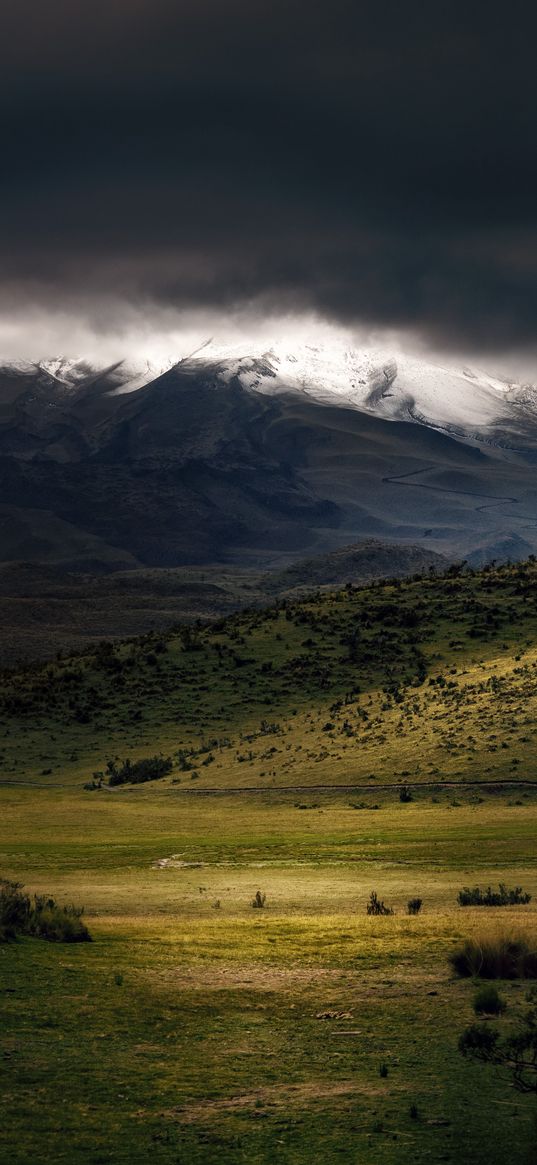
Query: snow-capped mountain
<point x="262" y="454"/>
<point x="466" y="402"/>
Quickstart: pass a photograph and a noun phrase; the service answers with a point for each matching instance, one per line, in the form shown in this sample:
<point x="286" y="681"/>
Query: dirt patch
<point x="175" y="862"/>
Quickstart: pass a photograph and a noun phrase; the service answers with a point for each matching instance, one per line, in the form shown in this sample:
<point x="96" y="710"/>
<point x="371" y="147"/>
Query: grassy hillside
<point x="45" y="608"/>
<point x="413" y="681"/>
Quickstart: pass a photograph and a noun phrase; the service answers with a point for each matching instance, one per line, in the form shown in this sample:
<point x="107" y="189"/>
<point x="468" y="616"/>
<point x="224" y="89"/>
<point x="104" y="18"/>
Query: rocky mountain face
<point x="260" y="458"/>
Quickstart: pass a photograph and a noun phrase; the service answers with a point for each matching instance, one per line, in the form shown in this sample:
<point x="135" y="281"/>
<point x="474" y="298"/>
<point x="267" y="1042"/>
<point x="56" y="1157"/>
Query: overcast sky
<point x="170" y="167"/>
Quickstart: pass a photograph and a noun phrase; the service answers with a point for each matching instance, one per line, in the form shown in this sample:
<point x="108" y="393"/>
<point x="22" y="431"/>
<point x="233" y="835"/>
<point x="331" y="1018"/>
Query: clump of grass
<point x="495" y="957"/>
<point x="376" y="905"/>
<point x="41" y="917"/>
<point x="488" y="1001"/>
<point x="503" y="896"/>
<point x="414" y="905"/>
<point x="259" y="901"/>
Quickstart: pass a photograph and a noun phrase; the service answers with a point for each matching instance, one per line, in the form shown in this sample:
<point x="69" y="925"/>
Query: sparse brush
<point x="503" y="896"/>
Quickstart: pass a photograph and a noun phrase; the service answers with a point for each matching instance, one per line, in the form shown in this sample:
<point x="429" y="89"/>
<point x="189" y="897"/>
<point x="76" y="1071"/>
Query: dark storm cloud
<point x="376" y="162"/>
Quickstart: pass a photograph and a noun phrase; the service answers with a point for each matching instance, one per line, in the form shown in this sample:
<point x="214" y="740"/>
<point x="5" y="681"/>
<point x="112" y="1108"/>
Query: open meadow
<point x="196" y="1028"/>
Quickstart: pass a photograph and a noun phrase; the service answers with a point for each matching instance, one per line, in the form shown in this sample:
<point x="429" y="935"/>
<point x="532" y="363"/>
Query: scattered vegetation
<point x="489" y="897"/>
<point x="399" y="681"/>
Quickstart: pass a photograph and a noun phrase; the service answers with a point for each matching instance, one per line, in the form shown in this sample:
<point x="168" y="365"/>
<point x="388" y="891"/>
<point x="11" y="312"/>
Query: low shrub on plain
<point x="376" y="905"/>
<point x="503" y="896"/>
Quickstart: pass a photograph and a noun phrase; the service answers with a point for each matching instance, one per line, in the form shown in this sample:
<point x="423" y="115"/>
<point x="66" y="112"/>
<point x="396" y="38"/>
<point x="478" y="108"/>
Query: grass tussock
<point x="40" y="917"/>
<point x="502" y="956"/>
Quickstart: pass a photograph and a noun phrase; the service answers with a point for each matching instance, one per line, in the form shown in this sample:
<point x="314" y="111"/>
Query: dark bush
<point x="489" y="897"/>
<point x="487" y="1001"/>
<point x="376" y="906"/>
<point x="478" y="1042"/>
<point x="515" y="1050"/>
<point x="503" y="957"/>
<point x="14" y="910"/>
<point x="150" y="768"/>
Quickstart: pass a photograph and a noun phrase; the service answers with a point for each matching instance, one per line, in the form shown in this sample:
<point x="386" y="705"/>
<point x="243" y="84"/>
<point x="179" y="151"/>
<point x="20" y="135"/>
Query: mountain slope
<point x="239" y="460"/>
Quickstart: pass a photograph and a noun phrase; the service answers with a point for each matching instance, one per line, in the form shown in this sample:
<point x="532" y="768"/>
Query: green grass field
<point x="197" y="1029"/>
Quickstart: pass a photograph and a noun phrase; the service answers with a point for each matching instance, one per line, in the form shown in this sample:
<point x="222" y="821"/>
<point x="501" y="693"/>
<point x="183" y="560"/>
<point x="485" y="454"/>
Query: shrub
<point x="42" y="918"/>
<point x="376" y="906"/>
<point x="487" y="1001"/>
<point x="414" y="905"/>
<point x="501" y="957"/>
<point x="489" y="897"/>
<point x="57" y="923"/>
<point x="259" y="901"/>
<point x="150" y="768"/>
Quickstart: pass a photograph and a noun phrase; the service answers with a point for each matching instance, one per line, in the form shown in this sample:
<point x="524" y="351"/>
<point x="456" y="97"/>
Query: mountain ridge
<point x="260" y="459"/>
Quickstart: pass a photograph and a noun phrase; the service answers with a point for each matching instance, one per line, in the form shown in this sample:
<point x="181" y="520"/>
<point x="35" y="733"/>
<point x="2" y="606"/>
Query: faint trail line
<point x="399" y="479"/>
<point x="232" y="790"/>
<point x="487" y="786"/>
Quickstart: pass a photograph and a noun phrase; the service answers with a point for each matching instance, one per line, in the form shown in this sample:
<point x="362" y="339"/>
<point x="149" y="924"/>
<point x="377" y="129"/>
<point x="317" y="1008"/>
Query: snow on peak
<point x="378" y="381"/>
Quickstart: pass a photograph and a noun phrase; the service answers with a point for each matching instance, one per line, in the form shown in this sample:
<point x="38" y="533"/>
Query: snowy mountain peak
<point x="464" y="401"/>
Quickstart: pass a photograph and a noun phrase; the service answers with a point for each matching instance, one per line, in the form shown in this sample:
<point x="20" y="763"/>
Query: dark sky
<point x="375" y="162"/>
